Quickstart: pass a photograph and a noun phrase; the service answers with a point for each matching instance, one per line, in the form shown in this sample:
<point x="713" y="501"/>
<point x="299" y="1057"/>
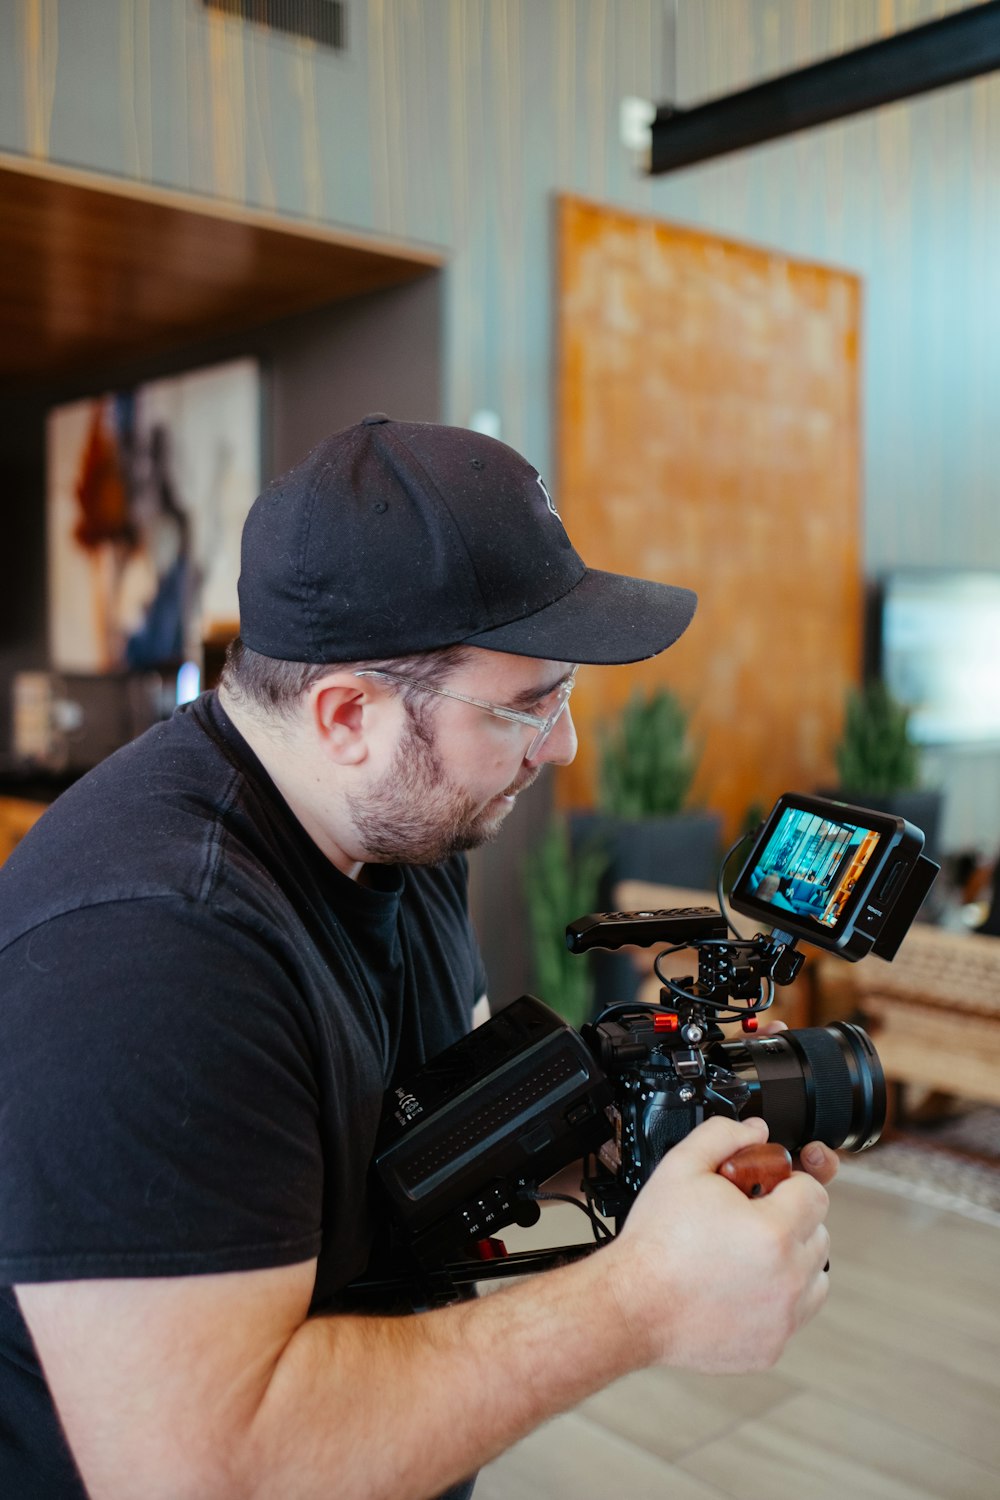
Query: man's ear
<point x="340" y="713"/>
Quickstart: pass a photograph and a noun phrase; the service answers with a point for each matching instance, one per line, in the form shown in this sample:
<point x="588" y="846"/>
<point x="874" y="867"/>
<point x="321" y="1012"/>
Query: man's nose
<point x="560" y="747"/>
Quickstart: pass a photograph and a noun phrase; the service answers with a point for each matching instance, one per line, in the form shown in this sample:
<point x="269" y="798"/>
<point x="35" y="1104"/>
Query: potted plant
<point x="646" y="761"/>
<point x="878" y="764"/>
<point x="646" y="767"/>
<point x="561" y="883"/>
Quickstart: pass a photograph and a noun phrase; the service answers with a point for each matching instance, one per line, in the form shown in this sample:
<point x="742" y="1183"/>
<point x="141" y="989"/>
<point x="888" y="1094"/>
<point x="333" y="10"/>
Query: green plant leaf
<point x="561" y="884"/>
<point x="646" y="764"/>
<point x="876" y="753"/>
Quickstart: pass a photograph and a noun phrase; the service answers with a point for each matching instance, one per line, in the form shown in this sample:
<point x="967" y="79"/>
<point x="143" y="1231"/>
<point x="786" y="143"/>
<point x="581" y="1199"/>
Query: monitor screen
<point x="940" y="654"/>
<point x="810" y="866"/>
<point x="849" y="879"/>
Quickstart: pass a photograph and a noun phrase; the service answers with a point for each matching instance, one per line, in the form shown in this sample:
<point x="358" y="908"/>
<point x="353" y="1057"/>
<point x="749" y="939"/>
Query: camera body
<point x="670" y="1072"/>
<point x="465" y="1143"/>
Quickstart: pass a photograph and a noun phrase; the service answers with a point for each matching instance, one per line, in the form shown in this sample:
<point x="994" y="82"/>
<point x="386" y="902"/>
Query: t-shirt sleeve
<point x="158" y="1109"/>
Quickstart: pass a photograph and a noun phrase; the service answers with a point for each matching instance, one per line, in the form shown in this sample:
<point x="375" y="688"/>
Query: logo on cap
<point x="548" y="498"/>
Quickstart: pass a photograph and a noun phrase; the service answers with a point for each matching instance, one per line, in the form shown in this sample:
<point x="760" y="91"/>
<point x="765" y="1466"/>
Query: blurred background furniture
<point x="933" y="1013"/>
<point x="17" y="815"/>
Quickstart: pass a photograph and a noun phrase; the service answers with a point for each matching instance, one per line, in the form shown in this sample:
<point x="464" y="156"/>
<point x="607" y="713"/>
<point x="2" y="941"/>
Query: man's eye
<point x="543" y="708"/>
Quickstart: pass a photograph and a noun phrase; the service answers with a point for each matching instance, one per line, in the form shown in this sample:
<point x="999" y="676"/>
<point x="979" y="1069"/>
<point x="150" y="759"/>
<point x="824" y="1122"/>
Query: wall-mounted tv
<point x="939" y="653"/>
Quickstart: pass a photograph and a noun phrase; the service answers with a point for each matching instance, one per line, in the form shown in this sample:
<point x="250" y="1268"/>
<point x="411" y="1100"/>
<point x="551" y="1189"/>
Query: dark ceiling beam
<point x="944" y="52"/>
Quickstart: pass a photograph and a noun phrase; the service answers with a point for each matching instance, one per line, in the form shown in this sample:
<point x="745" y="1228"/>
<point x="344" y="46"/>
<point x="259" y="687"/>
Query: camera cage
<point x="465" y="1144"/>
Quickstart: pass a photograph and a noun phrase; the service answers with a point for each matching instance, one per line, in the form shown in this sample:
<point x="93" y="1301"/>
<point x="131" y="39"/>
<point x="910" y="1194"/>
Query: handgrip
<point x="642" y="929"/>
<point x="757" y="1169"/>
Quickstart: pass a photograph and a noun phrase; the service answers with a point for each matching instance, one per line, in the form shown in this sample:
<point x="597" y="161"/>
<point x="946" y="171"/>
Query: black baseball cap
<point x="396" y="537"/>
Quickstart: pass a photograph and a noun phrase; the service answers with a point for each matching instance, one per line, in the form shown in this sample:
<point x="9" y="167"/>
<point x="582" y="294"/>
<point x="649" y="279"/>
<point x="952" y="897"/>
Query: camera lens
<point x="821" y="1083"/>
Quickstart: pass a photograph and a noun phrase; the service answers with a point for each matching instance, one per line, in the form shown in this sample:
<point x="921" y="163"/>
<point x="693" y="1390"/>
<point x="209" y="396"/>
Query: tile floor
<point x="891" y="1393"/>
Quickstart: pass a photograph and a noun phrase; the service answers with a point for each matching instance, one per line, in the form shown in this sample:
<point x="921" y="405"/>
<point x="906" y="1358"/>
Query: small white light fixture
<point x="635" y="124"/>
<point x="188" y="682"/>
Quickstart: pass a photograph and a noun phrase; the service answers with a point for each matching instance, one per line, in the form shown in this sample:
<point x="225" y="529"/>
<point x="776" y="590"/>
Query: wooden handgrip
<point x="757" y="1169"/>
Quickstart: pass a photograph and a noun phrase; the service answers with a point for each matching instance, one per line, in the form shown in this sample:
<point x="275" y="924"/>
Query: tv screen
<point x="940" y="654"/>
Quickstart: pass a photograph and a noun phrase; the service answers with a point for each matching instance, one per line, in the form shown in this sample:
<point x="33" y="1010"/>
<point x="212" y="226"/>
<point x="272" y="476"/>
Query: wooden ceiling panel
<point x="93" y="270"/>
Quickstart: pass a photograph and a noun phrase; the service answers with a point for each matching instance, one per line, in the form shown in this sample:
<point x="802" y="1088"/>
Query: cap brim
<point x="606" y="619"/>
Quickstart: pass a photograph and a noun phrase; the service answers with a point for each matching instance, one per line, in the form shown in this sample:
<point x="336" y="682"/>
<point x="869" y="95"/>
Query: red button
<point x="666" y="1023"/>
<point x="491" y="1249"/>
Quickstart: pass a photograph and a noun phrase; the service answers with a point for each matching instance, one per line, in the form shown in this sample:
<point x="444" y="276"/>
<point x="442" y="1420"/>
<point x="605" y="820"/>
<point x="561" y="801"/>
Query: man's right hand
<point x="708" y="1279"/>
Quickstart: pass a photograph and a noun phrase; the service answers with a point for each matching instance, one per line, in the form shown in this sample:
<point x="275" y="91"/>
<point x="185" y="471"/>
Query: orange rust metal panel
<point x="708" y="435"/>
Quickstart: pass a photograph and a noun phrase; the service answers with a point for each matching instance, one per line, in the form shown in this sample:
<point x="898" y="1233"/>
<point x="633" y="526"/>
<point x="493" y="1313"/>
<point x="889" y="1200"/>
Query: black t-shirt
<point x="199" y="1016"/>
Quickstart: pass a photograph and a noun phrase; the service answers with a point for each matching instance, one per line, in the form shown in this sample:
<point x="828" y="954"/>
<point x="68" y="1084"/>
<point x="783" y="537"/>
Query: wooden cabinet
<point x="17" y="815"/>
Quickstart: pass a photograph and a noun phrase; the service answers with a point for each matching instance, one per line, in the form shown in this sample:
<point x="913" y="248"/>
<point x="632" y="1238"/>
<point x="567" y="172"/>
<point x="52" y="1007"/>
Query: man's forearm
<point x="403" y="1407"/>
<point x="398" y="1409"/>
<point x="220" y="1387"/>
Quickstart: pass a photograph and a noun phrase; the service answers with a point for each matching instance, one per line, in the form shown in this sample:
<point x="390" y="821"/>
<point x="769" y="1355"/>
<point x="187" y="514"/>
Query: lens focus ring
<point x="821" y="1083"/>
<point x="846" y="1083"/>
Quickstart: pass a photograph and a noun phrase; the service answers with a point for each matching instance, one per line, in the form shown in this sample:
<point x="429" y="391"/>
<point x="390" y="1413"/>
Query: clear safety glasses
<point x="543" y="727"/>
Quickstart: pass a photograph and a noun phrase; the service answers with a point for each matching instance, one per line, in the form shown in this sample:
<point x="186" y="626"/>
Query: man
<point x="219" y="949"/>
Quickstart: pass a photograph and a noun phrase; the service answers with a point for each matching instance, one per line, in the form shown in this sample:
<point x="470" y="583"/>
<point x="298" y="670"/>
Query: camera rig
<point x="465" y="1144"/>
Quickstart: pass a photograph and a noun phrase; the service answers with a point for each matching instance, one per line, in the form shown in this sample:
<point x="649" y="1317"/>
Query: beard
<point x="415" y="815"/>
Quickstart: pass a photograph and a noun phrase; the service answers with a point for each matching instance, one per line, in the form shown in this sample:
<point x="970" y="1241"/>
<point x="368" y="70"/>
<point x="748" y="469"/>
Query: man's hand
<point x="708" y="1279"/>
<point x="819" y="1161"/>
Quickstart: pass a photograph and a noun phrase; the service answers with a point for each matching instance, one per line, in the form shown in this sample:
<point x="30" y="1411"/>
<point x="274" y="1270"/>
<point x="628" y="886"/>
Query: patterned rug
<point x="952" y="1164"/>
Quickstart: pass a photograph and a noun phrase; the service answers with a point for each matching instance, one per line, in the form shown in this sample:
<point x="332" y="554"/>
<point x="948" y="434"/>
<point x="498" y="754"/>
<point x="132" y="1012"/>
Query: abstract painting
<point x="147" y="492"/>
